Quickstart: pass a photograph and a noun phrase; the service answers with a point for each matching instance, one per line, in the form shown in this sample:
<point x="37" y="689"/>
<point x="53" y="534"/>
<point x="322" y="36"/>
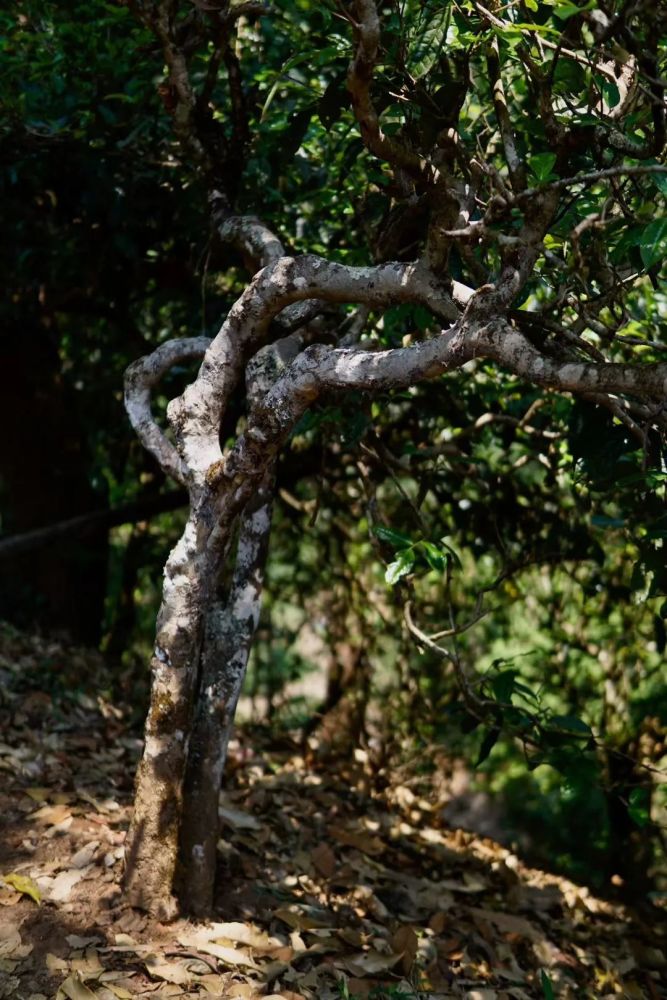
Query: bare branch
<point x="593" y="176"/>
<point x="479" y="707"/>
<point x="196" y="415"/>
<point x="515" y="164"/>
<point x="179" y="78"/>
<point x="252" y="236"/>
<point x="359" y="77"/>
<point x="140" y="378"/>
<point x="251" y="8"/>
<point x="617" y="408"/>
<point x="512" y="350"/>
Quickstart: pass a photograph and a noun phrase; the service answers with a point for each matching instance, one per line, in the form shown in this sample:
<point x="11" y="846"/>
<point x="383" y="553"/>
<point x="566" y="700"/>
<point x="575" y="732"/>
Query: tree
<point x="508" y="163"/>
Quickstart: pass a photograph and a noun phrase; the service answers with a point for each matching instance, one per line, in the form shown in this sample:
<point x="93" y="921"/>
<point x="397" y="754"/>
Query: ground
<point x="332" y="883"/>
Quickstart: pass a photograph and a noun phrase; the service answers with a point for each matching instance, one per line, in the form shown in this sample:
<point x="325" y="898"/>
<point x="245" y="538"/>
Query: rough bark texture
<point x="230" y="629"/>
<point x="152" y="843"/>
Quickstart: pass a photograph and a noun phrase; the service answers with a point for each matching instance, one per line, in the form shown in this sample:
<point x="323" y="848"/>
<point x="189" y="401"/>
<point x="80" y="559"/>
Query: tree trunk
<point x="152" y="842"/>
<point x="230" y="629"/>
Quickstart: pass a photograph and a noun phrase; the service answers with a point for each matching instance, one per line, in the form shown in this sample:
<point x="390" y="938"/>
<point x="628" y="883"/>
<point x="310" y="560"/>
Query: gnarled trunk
<point x="152" y="842"/>
<point x="230" y="629"/>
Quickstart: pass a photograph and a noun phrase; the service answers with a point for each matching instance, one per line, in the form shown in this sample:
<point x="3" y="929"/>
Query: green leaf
<point x="571" y="724"/>
<point x="527" y="692"/>
<point x="427" y="44"/>
<point x="639" y="806"/>
<point x="24" y="884"/>
<point x="653" y="242"/>
<point x="395" y="538"/>
<point x="488" y="743"/>
<point x="453" y="555"/>
<point x="547" y="986"/>
<point x="564" y="11"/>
<point x="542" y="165"/>
<point x="402" y="565"/>
<point x="503" y="685"/>
<point x="434" y="557"/>
<point x="611" y="93"/>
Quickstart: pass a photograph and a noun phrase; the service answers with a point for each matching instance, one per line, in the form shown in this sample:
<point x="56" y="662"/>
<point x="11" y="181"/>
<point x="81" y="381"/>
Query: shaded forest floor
<point x="333" y="886"/>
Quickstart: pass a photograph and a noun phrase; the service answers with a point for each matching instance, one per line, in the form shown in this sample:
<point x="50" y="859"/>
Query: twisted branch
<point x="140" y="378"/>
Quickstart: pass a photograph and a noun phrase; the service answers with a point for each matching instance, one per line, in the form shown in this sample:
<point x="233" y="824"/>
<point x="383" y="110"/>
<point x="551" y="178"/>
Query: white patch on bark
<point x="247" y="603"/>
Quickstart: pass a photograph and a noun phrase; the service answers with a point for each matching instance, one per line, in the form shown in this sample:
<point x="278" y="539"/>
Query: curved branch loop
<point x="140" y="378"/>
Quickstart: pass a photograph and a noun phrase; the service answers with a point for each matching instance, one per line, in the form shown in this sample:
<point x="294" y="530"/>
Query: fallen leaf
<point x="234" y="957"/>
<point x="87" y="797"/>
<point x="234" y="931"/>
<point x="212" y="983"/>
<point x="75" y="989"/>
<point x="88" y="964"/>
<point x="23" y="884"/>
<point x="508" y="923"/>
<point x="59" y="828"/>
<point x="361" y="840"/>
<point x="63" y="884"/>
<point x="172" y="972"/>
<point x="56" y="964"/>
<point x="370" y="962"/>
<point x="8" y="898"/>
<point x="85" y="855"/>
<point x="470" y="884"/>
<point x="74" y="941"/>
<point x="324" y="860"/>
<point x="241" y="991"/>
<point x="119" y="991"/>
<point x="52" y="815"/>
<point x="238" y="820"/>
<point x="10" y="943"/>
<point x="126" y="940"/>
<point x="405" y="943"/>
<point x="38" y="794"/>
<point x="303" y="918"/>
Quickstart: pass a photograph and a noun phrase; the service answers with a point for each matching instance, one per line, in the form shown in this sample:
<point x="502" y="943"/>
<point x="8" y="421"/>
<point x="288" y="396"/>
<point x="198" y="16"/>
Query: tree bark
<point x="152" y="842"/>
<point x="230" y="629"/>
